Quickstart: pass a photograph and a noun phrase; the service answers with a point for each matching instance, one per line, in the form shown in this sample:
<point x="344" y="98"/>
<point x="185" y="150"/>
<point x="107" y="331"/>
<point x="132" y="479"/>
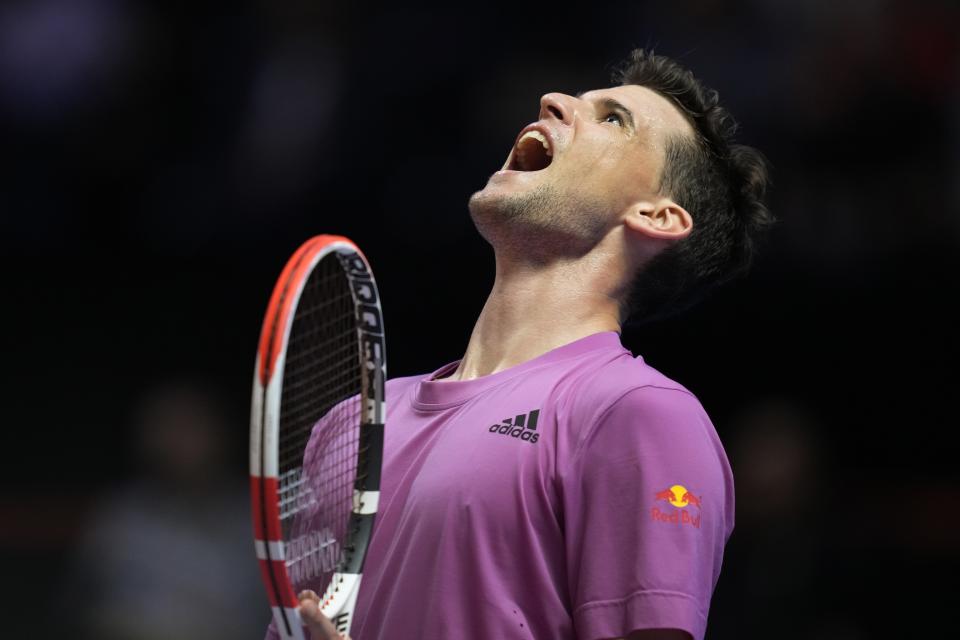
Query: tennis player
<point x="549" y="485"/>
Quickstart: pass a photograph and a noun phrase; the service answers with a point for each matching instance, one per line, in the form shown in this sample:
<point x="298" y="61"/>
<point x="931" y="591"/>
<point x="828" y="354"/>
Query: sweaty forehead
<point x="651" y="111"/>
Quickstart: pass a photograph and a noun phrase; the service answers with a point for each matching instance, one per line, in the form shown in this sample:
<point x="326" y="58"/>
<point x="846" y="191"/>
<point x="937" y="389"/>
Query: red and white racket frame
<point x="339" y="600"/>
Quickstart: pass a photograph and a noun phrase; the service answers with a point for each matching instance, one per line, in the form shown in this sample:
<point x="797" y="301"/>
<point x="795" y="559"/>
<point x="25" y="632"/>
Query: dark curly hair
<point x="721" y="184"/>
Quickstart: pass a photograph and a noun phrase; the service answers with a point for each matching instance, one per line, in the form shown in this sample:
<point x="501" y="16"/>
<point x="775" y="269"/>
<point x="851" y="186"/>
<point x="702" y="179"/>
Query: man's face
<point x="573" y="174"/>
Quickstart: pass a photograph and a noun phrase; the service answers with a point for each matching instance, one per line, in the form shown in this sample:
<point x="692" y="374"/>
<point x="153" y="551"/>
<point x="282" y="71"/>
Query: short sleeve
<point x="648" y="507"/>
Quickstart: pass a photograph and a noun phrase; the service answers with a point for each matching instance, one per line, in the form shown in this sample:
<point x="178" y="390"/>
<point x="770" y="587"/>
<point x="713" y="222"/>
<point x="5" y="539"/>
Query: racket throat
<point x="340" y="600"/>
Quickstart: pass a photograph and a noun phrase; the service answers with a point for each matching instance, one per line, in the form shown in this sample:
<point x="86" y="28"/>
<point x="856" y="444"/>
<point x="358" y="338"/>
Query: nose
<point x="558" y="106"/>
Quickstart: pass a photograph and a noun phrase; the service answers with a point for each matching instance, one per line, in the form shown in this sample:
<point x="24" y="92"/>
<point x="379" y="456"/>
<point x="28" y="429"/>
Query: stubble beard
<point x="541" y="224"/>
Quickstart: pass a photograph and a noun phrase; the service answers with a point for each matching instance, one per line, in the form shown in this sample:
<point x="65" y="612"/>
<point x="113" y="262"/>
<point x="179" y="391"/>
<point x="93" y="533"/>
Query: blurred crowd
<point x="168" y="553"/>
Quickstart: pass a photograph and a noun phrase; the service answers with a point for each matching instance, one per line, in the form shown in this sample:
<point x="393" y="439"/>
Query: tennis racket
<point x="316" y="436"/>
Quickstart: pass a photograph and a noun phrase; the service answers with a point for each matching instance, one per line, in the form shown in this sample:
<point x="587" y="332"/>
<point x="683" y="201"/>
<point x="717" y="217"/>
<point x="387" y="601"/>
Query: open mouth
<point x="531" y="153"/>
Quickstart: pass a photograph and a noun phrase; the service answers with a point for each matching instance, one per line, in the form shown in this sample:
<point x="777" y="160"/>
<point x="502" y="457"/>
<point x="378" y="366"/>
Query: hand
<point x="319" y="625"/>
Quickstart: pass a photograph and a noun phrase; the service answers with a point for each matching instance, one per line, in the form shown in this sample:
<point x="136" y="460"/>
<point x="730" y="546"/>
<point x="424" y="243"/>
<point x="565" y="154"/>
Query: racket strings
<point x="310" y="406"/>
<point x="315" y="372"/>
<point x="319" y="428"/>
<point x="314" y="389"/>
<point x="329" y="352"/>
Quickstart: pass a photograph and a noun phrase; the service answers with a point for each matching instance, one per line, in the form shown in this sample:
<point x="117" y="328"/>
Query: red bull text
<point x="680" y="498"/>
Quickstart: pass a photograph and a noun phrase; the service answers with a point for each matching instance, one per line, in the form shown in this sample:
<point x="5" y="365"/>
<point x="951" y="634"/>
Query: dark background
<point x="162" y="161"/>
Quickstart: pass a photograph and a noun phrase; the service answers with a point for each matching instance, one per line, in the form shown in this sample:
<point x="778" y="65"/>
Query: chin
<point x="483" y="206"/>
<point x="485" y="197"/>
<point x="497" y="201"/>
<point x="543" y="221"/>
<point x="508" y="190"/>
<point x="495" y="210"/>
<point x="487" y="200"/>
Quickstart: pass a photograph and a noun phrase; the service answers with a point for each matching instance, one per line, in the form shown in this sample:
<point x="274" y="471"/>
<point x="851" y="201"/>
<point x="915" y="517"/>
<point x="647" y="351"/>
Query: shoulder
<point x="623" y="407"/>
<point x="650" y="420"/>
<point x="644" y="430"/>
<point x="627" y="384"/>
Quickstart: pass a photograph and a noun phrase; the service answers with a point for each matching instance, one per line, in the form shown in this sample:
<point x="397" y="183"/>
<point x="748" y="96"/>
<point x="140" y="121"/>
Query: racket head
<point x="316" y="437"/>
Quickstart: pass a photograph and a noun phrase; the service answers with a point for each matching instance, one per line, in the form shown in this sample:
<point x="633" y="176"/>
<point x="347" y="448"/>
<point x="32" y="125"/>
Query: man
<point x="549" y="485"/>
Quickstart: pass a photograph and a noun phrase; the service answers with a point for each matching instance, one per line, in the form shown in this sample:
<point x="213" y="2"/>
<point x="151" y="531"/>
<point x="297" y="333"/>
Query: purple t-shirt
<point x="581" y="494"/>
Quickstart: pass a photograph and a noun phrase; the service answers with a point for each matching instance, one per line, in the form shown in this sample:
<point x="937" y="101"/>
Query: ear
<point x="663" y="219"/>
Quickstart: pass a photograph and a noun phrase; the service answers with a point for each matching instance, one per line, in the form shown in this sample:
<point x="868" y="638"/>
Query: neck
<point x="533" y="309"/>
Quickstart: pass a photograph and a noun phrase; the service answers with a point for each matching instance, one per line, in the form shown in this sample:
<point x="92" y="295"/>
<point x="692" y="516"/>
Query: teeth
<point x="536" y="135"/>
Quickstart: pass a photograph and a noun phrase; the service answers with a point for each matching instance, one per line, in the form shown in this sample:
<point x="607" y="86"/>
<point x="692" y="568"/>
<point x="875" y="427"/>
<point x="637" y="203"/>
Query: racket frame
<point x="339" y="600"/>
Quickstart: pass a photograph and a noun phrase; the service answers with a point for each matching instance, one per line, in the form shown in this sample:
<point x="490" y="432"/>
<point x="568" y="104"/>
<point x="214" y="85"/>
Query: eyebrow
<point x="616" y="106"/>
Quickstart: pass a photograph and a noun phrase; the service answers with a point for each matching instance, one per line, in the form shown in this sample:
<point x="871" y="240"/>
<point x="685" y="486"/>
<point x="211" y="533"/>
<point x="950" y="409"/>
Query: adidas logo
<point x="524" y="426"/>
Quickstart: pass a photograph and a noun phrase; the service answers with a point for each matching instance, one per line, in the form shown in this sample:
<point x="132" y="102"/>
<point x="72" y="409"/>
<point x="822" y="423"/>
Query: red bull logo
<point x="679" y="497"/>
